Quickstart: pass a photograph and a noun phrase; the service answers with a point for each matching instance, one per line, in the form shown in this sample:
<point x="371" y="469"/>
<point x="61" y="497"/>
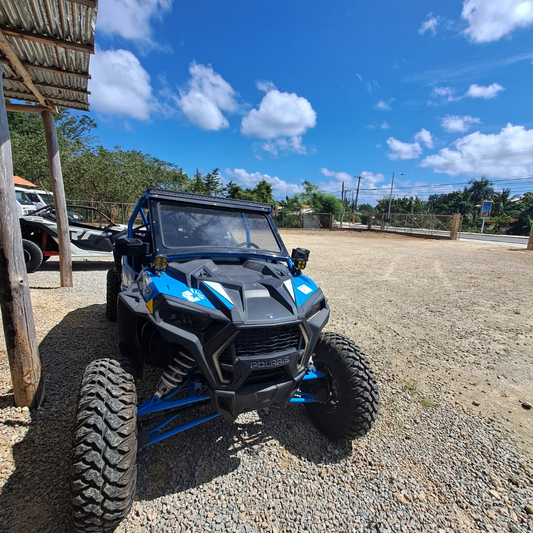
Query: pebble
<point x="526" y="405"/>
<point x="267" y="471"/>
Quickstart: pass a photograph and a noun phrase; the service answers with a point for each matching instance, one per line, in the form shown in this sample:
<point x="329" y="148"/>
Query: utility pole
<point x="357" y="194"/>
<point x="342" y="201"/>
<point x="390" y="199"/>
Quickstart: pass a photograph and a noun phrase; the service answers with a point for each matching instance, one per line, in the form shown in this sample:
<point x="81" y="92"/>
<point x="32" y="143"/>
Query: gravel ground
<point x="435" y="318"/>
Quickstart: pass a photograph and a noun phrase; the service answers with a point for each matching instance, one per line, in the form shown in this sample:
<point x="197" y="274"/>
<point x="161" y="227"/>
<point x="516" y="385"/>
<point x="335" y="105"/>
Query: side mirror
<point x="131" y="247"/>
<point x="299" y="257"/>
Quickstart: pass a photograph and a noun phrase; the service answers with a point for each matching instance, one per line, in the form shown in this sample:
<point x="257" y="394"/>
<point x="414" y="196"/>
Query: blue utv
<point x="204" y="289"/>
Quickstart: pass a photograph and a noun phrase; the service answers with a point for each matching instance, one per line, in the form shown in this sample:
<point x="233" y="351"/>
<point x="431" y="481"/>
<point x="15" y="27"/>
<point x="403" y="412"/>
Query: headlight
<point x="179" y="319"/>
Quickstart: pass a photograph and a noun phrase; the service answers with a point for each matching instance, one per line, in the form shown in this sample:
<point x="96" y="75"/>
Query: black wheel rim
<point x="333" y="396"/>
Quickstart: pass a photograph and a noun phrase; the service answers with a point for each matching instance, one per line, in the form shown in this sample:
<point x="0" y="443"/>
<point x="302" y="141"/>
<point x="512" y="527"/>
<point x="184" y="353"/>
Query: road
<point x="512" y="241"/>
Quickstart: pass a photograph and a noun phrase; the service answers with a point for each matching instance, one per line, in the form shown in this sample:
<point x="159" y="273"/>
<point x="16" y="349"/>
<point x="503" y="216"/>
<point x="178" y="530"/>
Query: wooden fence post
<point x="15" y="300"/>
<point x="530" y="241"/>
<point x="382" y="228"/>
<point x="369" y="222"/>
<point x="455" y="226"/>
<point x="56" y="177"/>
<point x="331" y="219"/>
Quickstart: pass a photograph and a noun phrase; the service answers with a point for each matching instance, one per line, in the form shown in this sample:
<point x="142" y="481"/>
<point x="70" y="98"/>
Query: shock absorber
<point x="173" y="376"/>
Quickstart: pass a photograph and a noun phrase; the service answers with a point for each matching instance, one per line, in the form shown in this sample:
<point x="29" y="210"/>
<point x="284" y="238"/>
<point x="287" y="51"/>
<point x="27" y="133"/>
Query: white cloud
<point x="280" y="187"/>
<point x="505" y="154"/>
<point x="264" y="85"/>
<point x="385" y="125"/>
<point x="334" y="185"/>
<point x="490" y="20"/>
<point x="281" y="119"/>
<point x="479" y="91"/>
<point x="430" y="24"/>
<point x="339" y="176"/>
<point x="454" y="123"/>
<point x="120" y="85"/>
<point x="205" y="98"/>
<point x="401" y="150"/>
<point x="131" y="19"/>
<point x="446" y="94"/>
<point x="290" y="144"/>
<point x="384" y="106"/>
<point x="424" y="137"/>
<point x="279" y="115"/>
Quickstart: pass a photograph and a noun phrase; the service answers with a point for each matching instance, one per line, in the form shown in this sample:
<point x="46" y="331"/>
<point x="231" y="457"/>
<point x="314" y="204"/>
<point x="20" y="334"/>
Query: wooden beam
<point x="28" y="97"/>
<point x="42" y="39"/>
<point x="19" y="108"/>
<point x="15" y="301"/>
<point x="56" y="87"/>
<point x="56" y="178"/>
<point x="530" y="240"/>
<point x="5" y="45"/>
<point x="51" y="70"/>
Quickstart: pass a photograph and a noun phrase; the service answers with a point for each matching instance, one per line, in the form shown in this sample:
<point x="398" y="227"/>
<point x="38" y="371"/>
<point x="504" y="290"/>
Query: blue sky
<point x="322" y="91"/>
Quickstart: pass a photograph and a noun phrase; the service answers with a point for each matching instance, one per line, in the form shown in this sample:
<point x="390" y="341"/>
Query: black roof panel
<point x="206" y="200"/>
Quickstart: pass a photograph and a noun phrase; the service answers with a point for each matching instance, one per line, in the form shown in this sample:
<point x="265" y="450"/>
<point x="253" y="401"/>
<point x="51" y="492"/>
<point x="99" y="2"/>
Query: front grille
<point x="264" y="341"/>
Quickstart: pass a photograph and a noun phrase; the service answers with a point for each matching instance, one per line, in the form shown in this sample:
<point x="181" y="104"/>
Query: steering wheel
<point x="248" y="244"/>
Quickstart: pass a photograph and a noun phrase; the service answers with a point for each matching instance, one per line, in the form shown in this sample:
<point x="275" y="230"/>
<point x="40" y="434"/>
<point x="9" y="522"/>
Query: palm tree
<point x="463" y="201"/>
<point x="502" y="202"/>
<point x="480" y="190"/>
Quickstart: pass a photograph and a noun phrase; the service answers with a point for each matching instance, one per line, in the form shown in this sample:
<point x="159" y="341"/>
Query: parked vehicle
<point x="204" y="289"/>
<point x="92" y="234"/>
<point x="24" y="204"/>
<point x="41" y="198"/>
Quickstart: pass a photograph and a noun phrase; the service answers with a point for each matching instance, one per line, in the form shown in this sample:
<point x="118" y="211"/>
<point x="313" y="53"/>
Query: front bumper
<point x="237" y="380"/>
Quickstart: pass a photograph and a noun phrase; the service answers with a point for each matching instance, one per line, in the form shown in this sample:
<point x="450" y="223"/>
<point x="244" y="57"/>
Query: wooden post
<point x="370" y="221"/>
<point x="382" y="228"/>
<point x="15" y="301"/>
<point x="56" y="177"/>
<point x="530" y="241"/>
<point x="455" y="226"/>
<point x="331" y="219"/>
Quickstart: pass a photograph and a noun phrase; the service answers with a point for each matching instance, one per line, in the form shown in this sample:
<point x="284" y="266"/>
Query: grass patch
<point x="410" y="386"/>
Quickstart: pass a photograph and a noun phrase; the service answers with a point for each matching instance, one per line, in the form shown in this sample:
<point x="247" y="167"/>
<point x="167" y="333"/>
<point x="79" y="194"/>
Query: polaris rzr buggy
<point x="204" y="288"/>
<point x="91" y="233"/>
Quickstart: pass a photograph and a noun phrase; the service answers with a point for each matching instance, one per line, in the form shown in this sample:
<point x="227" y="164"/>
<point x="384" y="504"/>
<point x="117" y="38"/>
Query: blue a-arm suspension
<point x="158" y="405"/>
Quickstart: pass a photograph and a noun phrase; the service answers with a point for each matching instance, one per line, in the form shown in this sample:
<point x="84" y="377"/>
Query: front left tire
<point x="105" y="447"/>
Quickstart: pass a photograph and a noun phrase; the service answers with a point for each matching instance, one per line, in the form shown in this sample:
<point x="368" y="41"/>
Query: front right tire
<point x="105" y="447"/>
<point x="348" y="393"/>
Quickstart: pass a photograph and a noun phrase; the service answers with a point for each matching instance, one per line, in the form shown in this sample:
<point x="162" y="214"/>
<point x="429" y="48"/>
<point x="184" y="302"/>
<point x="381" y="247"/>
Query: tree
<point x="212" y="183"/>
<point x="480" y="190"/>
<point x="262" y="192"/>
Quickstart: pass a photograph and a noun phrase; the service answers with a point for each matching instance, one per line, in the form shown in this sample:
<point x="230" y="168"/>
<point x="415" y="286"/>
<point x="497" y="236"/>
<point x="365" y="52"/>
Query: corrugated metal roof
<point x="53" y="39"/>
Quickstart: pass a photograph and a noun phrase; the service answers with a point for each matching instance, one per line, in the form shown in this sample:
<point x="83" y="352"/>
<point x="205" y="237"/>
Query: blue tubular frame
<point x="157" y="405"/>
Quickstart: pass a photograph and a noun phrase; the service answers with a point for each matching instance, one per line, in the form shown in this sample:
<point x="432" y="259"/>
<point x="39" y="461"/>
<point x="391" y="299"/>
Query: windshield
<point x="186" y="226"/>
<point x="23" y="198"/>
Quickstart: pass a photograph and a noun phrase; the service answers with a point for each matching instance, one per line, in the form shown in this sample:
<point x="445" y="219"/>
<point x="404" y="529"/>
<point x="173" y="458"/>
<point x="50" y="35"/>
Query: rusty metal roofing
<point x="53" y="39"/>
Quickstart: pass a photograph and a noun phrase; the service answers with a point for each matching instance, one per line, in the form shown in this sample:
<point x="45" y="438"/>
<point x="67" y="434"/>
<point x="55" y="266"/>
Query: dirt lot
<point x="451" y="315"/>
<point x="444" y="324"/>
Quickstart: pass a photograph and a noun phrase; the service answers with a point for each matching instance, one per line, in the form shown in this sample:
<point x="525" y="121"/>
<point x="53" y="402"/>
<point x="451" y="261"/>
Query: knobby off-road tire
<point x="353" y="398"/>
<point x="113" y="290"/>
<point x="33" y="255"/>
<point x="105" y="446"/>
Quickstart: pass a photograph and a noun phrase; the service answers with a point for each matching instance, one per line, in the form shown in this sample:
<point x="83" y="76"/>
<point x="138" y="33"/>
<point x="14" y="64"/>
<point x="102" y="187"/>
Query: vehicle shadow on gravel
<point x="36" y="496"/>
<point x="77" y="266"/>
